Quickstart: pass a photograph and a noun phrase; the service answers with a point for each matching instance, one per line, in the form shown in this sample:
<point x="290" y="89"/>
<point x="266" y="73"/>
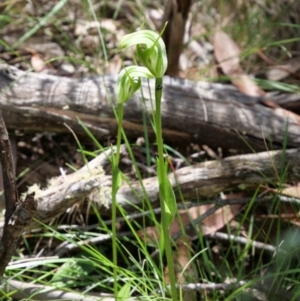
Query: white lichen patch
<point x="101" y="197"/>
<point x="76" y="185"/>
<point x="35" y="188"/>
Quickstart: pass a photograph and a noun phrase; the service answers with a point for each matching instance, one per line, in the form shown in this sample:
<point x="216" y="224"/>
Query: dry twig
<point x="17" y="213"/>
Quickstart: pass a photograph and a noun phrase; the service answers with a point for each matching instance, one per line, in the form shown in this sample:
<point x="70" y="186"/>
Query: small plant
<point x="151" y="53"/>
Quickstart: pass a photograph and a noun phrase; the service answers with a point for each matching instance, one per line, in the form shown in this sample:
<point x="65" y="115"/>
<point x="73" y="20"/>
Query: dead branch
<point x="9" y="178"/>
<point x="17" y="214"/>
<point x="213" y="114"/>
<point x="14" y="228"/>
<point x="201" y="180"/>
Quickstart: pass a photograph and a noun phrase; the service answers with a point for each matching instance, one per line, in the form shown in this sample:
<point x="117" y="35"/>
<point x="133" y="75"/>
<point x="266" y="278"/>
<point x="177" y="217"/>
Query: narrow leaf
<point x="124" y="292"/>
<point x="169" y="200"/>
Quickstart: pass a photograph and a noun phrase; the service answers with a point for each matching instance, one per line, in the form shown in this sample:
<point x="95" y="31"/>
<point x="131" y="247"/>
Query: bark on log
<point x="198" y="181"/>
<point x="213" y="114"/>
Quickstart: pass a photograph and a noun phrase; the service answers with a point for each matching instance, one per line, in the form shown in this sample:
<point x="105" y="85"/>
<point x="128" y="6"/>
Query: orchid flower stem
<point x="115" y="187"/>
<point x="163" y="193"/>
<point x="120" y="120"/>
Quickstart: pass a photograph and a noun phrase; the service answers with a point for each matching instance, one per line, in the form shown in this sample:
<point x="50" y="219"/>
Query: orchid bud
<point x="129" y="81"/>
<point x="150" y="49"/>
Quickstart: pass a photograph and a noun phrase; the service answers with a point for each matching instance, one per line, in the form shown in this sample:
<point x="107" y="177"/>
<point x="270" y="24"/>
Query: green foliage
<point x="124" y="292"/>
<point x="168" y="197"/>
<point x="67" y="274"/>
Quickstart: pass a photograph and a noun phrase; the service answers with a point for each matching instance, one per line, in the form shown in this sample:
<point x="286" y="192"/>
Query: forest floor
<point x="80" y="38"/>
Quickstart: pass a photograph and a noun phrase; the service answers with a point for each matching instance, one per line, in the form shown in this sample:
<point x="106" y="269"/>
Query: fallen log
<point x="216" y="115"/>
<point x="196" y="182"/>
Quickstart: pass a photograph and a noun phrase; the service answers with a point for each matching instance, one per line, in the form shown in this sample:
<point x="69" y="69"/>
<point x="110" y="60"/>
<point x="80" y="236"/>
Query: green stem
<point x="120" y="120"/>
<point x="162" y="186"/>
<point x="115" y="187"/>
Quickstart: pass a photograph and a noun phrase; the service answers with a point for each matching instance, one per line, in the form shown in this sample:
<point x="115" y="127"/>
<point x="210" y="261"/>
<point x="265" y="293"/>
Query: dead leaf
<point x="293" y="191"/>
<point x="220" y="218"/>
<point x="246" y="85"/>
<point x="185" y="269"/>
<point x="211" y="224"/>
<point x="227" y="54"/>
<point x="279" y="72"/>
<point x="38" y="62"/>
<point x="150" y="236"/>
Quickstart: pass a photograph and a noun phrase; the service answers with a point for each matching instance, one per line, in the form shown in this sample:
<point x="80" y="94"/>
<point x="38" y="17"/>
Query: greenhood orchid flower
<point x="151" y="53"/>
<point x="150" y="49"/>
<point x="129" y="81"/>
